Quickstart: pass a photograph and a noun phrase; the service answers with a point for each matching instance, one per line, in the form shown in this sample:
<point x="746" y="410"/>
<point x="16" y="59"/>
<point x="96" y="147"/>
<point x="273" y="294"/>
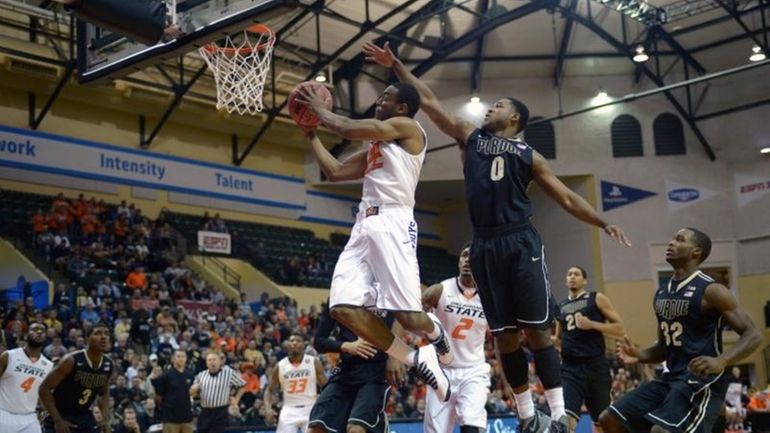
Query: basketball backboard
<point x="103" y="55"/>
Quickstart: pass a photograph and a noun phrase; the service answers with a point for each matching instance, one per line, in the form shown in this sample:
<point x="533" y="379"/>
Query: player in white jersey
<point x="21" y="373"/>
<point x="299" y="377"/>
<point x="382" y="250"/>
<point x="456" y="304"/>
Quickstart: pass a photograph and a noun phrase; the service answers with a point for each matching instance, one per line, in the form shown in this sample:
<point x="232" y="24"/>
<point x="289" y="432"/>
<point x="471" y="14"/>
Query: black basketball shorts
<point x="586" y="382"/>
<point x="339" y="405"/>
<point x="682" y="403"/>
<point x="508" y="264"/>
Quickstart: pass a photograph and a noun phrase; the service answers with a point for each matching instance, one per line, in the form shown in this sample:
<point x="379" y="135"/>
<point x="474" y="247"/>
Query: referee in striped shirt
<point x="215" y="386"/>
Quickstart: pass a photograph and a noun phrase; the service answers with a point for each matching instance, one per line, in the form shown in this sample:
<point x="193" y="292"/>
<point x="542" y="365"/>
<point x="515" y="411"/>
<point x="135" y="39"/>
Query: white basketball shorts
<point x="470" y="388"/>
<point x="15" y="423"/>
<point x="293" y="419"/>
<point x="381" y="259"/>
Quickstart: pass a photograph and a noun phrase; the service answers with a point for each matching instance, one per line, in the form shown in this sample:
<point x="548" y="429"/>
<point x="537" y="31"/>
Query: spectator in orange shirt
<point x="758" y="401"/>
<point x="121" y="228"/>
<point x="137" y="279"/>
<point x="38" y="223"/>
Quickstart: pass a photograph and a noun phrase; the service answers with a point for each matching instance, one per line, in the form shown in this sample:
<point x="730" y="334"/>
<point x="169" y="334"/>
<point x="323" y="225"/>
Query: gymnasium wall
<point x="194" y="134"/>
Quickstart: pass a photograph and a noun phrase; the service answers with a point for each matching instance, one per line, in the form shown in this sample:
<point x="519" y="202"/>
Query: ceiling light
<point x="765" y="150"/>
<point x="321" y="77"/>
<point x="475" y="99"/>
<point x="640" y="56"/>
<point x="756" y="54"/>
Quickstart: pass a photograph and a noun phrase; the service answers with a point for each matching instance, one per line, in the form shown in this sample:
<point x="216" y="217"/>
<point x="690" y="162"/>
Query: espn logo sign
<point x="213" y="242"/>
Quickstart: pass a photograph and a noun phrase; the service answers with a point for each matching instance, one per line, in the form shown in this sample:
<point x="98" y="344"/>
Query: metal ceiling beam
<point x="719" y="20"/>
<point x="619" y="46"/>
<point x="686" y="55"/>
<point x="352" y="67"/>
<point x="322" y="63"/>
<point x="488" y="26"/>
<point x="735" y="109"/>
<point x="479" y="51"/>
<point x="732" y="10"/>
<point x="561" y="56"/>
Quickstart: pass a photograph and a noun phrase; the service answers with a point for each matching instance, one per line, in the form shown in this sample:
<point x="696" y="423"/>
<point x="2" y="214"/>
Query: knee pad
<point x="515" y="367"/>
<point x="548" y="367"/>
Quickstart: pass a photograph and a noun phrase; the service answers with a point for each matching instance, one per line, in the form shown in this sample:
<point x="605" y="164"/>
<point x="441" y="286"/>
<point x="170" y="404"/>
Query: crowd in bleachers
<point x="125" y="270"/>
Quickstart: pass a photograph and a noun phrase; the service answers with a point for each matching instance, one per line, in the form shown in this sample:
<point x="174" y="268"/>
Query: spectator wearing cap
<point x="173" y="389"/>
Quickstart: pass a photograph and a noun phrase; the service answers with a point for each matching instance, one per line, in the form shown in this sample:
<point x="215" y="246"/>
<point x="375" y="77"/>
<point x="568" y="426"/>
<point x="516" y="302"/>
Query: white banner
<point x="680" y="196"/>
<point x="749" y="188"/>
<point x="54" y="154"/>
<point x="213" y="242"/>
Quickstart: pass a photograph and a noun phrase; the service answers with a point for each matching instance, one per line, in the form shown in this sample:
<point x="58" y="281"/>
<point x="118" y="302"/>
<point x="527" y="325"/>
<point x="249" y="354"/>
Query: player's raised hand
<point x="308" y="96"/>
<point x="618" y="234"/>
<point x="706" y="365"/>
<point x="627" y="351"/>
<point x="382" y="56"/>
<point x="360" y="347"/>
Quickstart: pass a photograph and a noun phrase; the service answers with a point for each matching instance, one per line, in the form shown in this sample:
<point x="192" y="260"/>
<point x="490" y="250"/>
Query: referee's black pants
<point x="213" y="420"/>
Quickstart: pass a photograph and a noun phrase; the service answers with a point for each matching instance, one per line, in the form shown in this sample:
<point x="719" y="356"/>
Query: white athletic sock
<point x="524" y="405"/>
<point x="400" y="351"/>
<point x="435" y="333"/>
<point x="555" y="397"/>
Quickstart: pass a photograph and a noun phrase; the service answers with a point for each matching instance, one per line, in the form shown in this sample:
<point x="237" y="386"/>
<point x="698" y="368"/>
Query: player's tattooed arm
<point x="458" y="129"/>
<point x="718" y="300"/>
<point x="351" y="168"/>
<point x="570" y="201"/>
<point x="431" y="295"/>
<point x="54" y="378"/>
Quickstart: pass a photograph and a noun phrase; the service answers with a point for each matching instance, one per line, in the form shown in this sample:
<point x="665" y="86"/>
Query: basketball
<point x="301" y="113"/>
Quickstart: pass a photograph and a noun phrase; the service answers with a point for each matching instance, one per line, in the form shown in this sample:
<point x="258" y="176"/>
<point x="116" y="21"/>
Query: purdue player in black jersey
<point x="507" y="255"/>
<point x="70" y="389"/>
<point x="585" y="318"/>
<point x="353" y="401"/>
<point x="690" y="313"/>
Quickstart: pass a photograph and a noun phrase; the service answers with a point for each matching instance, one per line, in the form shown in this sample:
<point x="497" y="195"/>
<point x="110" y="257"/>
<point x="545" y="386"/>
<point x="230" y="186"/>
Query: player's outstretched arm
<point x="54" y="378"/>
<point x="456" y="128"/>
<point x="719" y="300"/>
<point x="613" y="326"/>
<point x="350" y="169"/>
<point x="630" y="353"/>
<point x="395" y="128"/>
<point x="570" y="201"/>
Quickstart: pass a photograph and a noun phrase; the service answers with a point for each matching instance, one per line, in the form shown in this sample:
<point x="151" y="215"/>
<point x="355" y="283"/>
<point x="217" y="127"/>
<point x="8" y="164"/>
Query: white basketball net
<point x="240" y="70"/>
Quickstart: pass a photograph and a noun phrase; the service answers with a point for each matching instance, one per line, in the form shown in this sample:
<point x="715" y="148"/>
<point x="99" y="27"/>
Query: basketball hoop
<point x="240" y="70"/>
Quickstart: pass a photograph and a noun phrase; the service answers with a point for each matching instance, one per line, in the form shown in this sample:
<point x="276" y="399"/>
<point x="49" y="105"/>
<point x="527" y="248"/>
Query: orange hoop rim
<point x="212" y="47"/>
